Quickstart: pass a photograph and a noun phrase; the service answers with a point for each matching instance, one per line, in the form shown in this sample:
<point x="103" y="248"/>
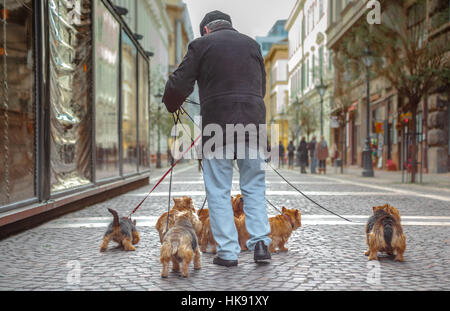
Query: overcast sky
<point x="251" y="17"/>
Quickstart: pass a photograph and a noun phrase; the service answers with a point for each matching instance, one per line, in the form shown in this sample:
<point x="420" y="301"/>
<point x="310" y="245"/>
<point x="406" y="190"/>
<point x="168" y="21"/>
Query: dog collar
<point x="289" y="219"/>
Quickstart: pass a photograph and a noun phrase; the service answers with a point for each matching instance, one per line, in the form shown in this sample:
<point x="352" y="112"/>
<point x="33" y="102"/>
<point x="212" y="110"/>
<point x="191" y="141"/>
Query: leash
<point x="165" y="175"/>
<point x="270" y="203"/>
<point x="183" y="111"/>
<point x="290" y="184"/>
<point x="287" y="181"/>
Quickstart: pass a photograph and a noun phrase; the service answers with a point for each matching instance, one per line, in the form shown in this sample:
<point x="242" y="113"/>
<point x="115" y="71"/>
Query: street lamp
<point x="321" y="89"/>
<point x="367" y="59"/>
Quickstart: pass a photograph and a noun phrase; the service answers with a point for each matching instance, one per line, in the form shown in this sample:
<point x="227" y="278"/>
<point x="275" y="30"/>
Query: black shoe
<point x="223" y="262"/>
<point x="261" y="252"/>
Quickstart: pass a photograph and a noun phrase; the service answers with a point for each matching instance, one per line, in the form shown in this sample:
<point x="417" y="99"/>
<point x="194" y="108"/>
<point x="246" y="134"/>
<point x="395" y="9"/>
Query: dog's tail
<point x="175" y="247"/>
<point x="388" y="229"/>
<point x="116" y="217"/>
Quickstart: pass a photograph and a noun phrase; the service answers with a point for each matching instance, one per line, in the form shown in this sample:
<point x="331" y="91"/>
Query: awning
<point x="354" y="106"/>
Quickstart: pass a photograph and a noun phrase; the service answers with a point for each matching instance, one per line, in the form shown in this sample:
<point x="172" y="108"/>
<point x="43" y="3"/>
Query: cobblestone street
<point x="326" y="253"/>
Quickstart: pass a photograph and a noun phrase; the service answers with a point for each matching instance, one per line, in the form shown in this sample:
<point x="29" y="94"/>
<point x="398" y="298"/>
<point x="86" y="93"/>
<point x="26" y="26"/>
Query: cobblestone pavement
<point x="326" y="253"/>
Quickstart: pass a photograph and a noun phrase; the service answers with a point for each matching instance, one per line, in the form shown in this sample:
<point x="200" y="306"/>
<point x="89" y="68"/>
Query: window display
<point x="70" y="94"/>
<point x="129" y="106"/>
<point x="107" y="35"/>
<point x="17" y="102"/>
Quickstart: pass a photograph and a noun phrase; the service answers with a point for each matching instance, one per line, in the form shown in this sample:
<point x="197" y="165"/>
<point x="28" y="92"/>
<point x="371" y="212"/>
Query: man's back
<point x="230" y="72"/>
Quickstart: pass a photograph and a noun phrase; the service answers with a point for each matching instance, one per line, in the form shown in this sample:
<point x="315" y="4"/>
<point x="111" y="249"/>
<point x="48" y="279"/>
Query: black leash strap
<point x="176" y="119"/>
<point x="290" y="184"/>
<point x="192" y="140"/>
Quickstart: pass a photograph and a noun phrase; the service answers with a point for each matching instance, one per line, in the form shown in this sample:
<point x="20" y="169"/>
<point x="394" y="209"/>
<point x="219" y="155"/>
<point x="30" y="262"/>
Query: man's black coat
<point x="230" y="72"/>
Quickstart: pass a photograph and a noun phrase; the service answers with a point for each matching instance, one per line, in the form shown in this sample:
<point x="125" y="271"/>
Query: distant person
<point x="322" y="155"/>
<point x="313" y="154"/>
<point x="303" y="152"/>
<point x="291" y="151"/>
<point x="281" y="154"/>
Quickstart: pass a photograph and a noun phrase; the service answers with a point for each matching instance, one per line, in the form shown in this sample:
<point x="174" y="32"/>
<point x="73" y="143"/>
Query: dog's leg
<point x="282" y="247"/>
<point x="175" y="265"/>
<point x="165" y="254"/>
<point x="165" y="268"/>
<point x="373" y="250"/>
<point x="126" y="243"/>
<point x="272" y="247"/>
<point x="136" y="237"/>
<point x="187" y="257"/>
<point x="197" y="260"/>
<point x="400" y="248"/>
<point x="105" y="242"/>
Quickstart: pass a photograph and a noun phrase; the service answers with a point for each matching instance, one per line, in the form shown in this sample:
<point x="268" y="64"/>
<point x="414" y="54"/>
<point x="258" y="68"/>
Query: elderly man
<point x="229" y="69"/>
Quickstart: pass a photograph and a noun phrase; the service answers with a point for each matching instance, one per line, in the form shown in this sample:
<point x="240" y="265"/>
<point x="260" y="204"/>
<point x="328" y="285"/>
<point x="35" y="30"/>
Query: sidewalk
<point x="389" y="177"/>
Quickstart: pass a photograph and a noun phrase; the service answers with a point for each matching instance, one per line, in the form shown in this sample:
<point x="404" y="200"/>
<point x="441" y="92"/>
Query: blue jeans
<point x="218" y="177"/>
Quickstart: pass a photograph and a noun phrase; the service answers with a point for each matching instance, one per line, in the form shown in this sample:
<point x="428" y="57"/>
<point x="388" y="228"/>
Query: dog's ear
<point x="283" y="209"/>
<point x="296" y="212"/>
<point x="374" y="208"/>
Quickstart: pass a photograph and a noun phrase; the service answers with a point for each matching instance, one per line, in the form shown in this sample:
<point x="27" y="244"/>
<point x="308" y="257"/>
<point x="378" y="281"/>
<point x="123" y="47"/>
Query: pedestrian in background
<point x="291" y="151"/>
<point x="303" y="152"/>
<point x="281" y="152"/>
<point x="322" y="155"/>
<point x="313" y="154"/>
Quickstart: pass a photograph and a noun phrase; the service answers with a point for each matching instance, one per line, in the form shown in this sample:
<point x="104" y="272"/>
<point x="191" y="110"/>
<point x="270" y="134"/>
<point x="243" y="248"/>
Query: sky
<point x="251" y="17"/>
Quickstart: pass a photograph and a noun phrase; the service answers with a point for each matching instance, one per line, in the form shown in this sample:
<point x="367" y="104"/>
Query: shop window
<point x="70" y="95"/>
<point x="17" y="108"/>
<point x="107" y="35"/>
<point x="129" y="108"/>
<point x="144" y="115"/>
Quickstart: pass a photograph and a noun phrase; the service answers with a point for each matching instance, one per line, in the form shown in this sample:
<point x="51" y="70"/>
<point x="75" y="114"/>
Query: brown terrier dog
<point x="180" y="244"/>
<point x="122" y="231"/>
<point x="281" y="227"/>
<point x="181" y="204"/>
<point x="206" y="237"/>
<point x="384" y="233"/>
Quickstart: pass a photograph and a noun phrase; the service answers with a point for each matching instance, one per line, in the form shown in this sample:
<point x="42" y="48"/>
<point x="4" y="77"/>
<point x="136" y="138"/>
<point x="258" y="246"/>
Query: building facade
<point x="309" y="64"/>
<point x="75" y="105"/>
<point x="390" y="129"/>
<point x="277" y="90"/>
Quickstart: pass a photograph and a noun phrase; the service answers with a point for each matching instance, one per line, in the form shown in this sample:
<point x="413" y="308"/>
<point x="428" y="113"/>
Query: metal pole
<point x="367" y="152"/>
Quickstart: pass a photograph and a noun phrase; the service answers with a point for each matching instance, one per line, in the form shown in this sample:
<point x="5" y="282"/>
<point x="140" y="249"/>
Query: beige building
<point x="277" y="89"/>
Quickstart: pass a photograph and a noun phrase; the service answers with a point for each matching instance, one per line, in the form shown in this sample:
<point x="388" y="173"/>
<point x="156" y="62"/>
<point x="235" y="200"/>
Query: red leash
<point x="165" y="175"/>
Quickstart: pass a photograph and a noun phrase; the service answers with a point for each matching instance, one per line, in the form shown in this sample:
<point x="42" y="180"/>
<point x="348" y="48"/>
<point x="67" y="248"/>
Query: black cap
<point x="212" y="16"/>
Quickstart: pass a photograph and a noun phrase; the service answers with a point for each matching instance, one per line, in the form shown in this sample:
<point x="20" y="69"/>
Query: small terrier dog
<point x="180" y="244"/>
<point x="384" y="233"/>
<point x="281" y="227"/>
<point x="206" y="237"/>
<point x="237" y="202"/>
<point x="122" y="231"/>
<point x="181" y="204"/>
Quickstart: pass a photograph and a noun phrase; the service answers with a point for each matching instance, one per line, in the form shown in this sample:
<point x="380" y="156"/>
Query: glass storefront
<point x="107" y="40"/>
<point x="74" y="100"/>
<point x="70" y="93"/>
<point x="17" y="102"/>
<point x="144" y="114"/>
<point x="129" y="108"/>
